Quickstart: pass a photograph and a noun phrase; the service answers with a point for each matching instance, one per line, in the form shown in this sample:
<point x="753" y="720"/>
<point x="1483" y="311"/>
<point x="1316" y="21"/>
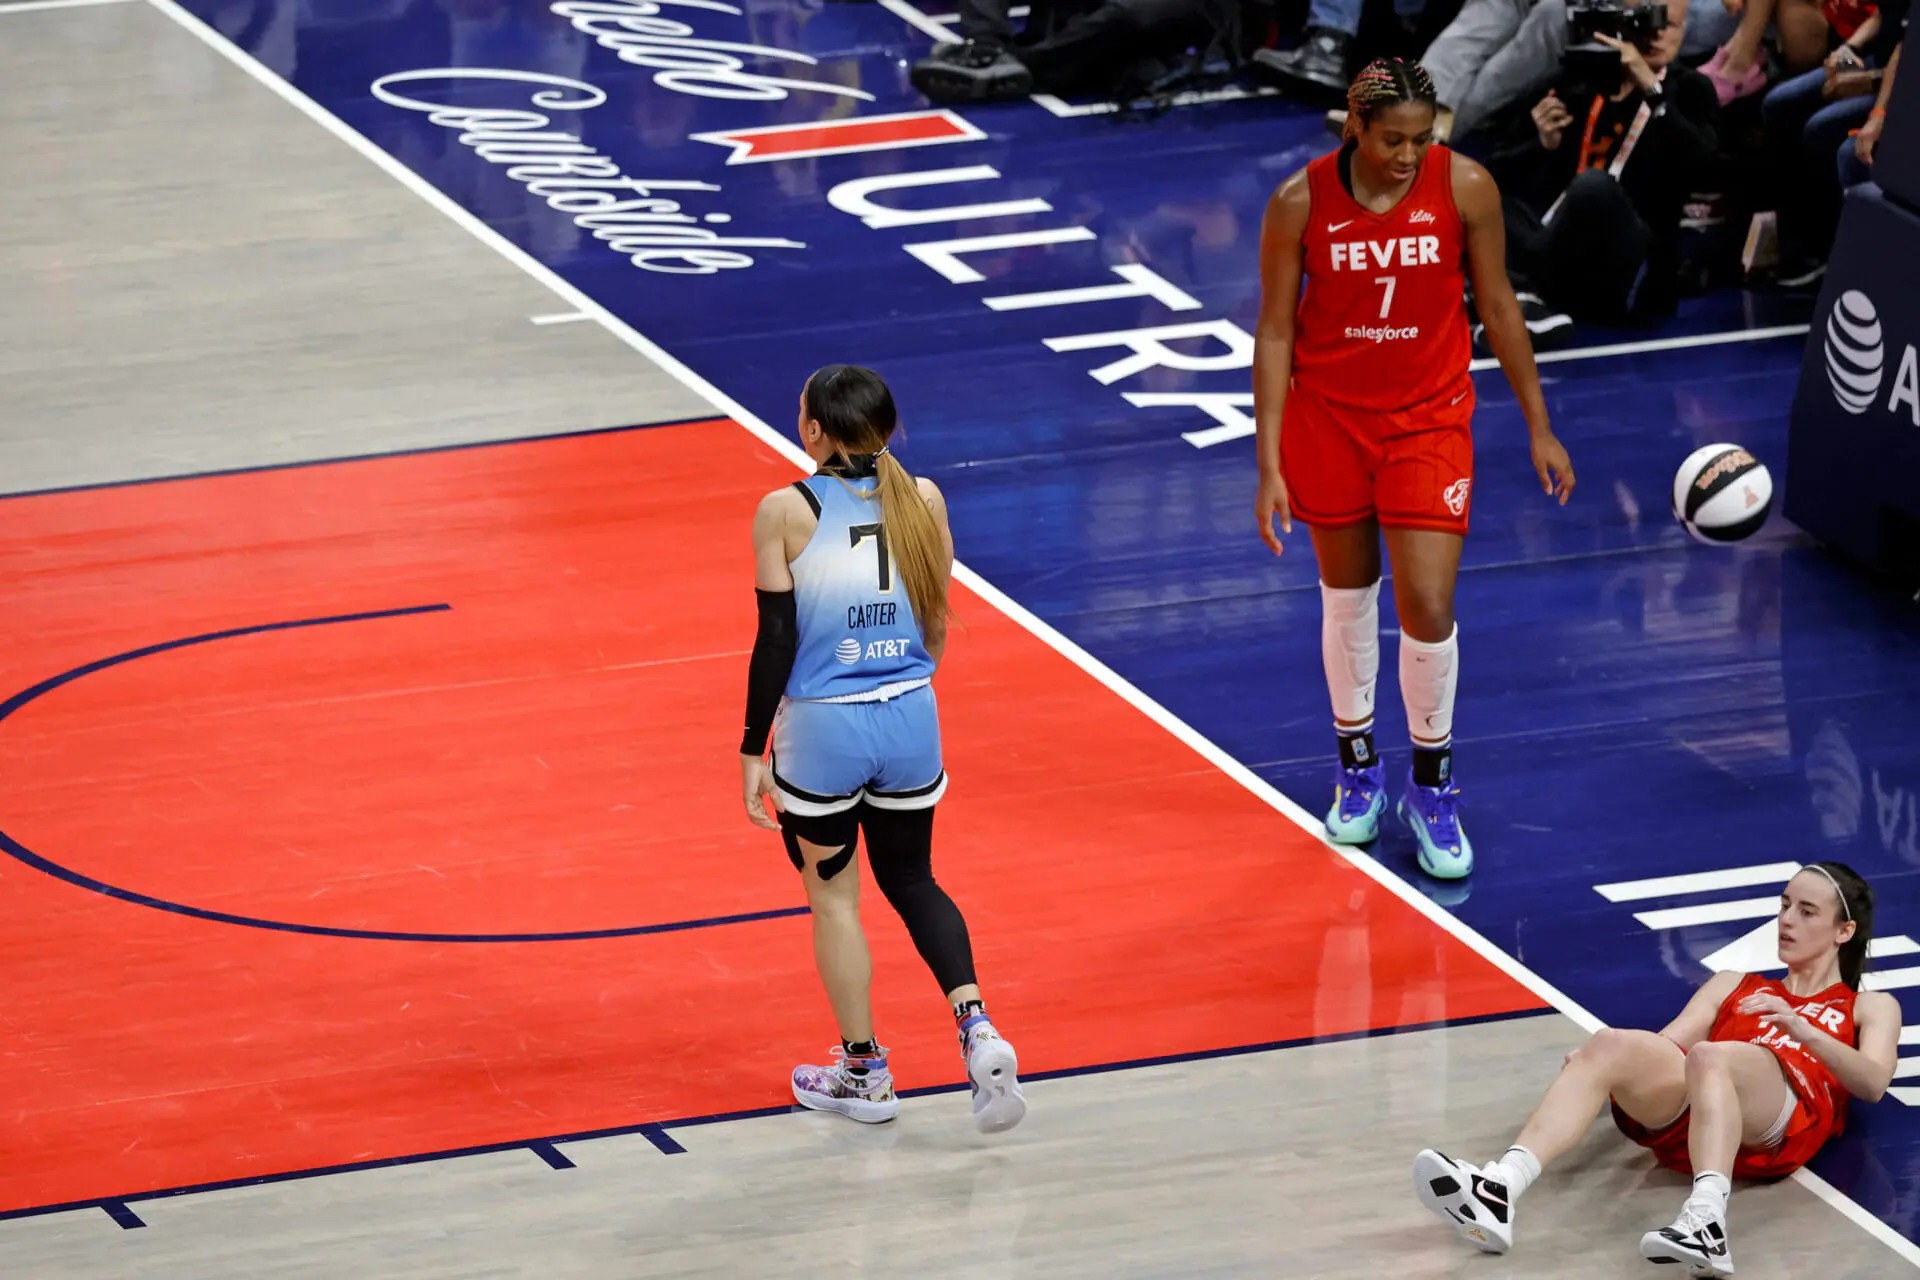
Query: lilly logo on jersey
<point x="1856" y="353"/>
<point x="1420" y="215"/>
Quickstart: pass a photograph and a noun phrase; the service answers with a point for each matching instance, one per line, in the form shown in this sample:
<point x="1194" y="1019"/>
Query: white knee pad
<point x="1428" y="674"/>
<point x="1350" y="647"/>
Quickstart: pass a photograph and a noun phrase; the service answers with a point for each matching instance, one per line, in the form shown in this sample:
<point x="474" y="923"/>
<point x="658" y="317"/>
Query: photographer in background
<point x="1498" y="52"/>
<point x="1596" y="186"/>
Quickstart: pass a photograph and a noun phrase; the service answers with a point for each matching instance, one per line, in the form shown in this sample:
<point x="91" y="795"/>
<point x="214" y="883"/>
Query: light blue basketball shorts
<point x="829" y="756"/>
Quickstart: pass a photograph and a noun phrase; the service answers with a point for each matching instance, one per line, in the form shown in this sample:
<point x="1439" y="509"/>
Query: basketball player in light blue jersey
<point x="851" y="568"/>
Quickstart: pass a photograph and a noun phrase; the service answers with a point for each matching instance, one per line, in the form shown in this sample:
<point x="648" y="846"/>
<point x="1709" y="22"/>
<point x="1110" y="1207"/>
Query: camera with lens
<point x="1636" y="24"/>
<point x="1590" y="69"/>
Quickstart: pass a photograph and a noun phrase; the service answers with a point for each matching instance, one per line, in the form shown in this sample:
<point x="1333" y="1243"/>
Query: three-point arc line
<point x="46" y="865"/>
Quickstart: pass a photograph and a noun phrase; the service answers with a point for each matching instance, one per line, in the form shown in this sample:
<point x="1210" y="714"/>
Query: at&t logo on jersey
<point x="850" y="651"/>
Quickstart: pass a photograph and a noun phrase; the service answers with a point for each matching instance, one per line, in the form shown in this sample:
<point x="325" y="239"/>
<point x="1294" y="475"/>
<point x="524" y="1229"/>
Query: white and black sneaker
<point x="1547" y="324"/>
<point x="1696" y="1238"/>
<point x="1463" y="1196"/>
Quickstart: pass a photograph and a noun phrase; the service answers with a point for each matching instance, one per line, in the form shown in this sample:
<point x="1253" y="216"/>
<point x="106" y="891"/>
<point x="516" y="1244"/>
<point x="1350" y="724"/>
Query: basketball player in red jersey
<point x="1362" y="400"/>
<point x="1749" y="1081"/>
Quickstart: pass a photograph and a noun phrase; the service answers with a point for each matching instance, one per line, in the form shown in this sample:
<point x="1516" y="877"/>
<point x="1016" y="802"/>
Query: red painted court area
<point x="554" y="753"/>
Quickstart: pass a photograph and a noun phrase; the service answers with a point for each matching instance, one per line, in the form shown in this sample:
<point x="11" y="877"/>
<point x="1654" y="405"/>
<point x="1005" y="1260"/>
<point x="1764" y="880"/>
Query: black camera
<point x="1590" y="69"/>
<point x="1638" y="25"/>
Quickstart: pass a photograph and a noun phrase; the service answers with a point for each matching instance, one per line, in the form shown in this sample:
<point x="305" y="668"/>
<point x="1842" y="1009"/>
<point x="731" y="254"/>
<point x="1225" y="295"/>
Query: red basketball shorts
<point x="1412" y="468"/>
<point x="1807" y="1131"/>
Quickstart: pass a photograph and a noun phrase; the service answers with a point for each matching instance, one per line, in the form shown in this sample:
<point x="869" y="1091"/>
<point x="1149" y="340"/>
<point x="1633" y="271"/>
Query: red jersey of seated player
<point x="1376" y="421"/>
<point x="1819" y="1108"/>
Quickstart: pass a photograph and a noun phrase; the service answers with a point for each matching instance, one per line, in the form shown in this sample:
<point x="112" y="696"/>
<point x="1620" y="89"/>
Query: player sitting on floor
<point x="1750" y="1080"/>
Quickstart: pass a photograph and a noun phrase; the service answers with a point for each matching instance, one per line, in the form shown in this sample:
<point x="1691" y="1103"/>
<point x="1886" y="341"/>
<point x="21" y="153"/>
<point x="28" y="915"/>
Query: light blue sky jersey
<point x="858" y="634"/>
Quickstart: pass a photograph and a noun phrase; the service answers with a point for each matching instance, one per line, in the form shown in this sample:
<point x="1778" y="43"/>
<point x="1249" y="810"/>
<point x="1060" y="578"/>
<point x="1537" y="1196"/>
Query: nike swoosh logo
<point x="1335" y="226"/>
<point x="1457" y="399"/>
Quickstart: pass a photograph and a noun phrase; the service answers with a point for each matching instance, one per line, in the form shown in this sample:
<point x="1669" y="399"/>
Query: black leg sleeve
<point x="900" y="852"/>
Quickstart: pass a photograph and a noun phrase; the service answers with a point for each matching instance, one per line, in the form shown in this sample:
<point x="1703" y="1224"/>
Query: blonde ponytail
<point x="913" y="537"/>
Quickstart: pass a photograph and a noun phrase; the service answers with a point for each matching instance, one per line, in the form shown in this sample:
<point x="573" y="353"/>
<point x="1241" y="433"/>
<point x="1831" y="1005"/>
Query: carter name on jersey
<point x="872" y="615"/>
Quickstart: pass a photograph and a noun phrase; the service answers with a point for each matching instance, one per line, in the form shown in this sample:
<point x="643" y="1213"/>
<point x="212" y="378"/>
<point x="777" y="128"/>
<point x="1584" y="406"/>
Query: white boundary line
<point x="1190" y="98"/>
<point x="919" y="21"/>
<point x="791" y="450"/>
<point x="560" y="317"/>
<point x="36" y="6"/>
<point x="1659" y="344"/>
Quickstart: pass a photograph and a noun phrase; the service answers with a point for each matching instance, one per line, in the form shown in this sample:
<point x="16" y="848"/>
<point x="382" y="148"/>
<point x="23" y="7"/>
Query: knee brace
<point x="841" y="830"/>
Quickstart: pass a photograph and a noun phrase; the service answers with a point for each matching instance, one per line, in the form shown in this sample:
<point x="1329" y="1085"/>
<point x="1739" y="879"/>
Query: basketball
<point x="1722" y="493"/>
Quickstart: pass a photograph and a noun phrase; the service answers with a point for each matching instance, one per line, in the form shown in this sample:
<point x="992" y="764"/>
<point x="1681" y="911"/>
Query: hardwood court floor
<point x="195" y="277"/>
<point x="1294" y="1163"/>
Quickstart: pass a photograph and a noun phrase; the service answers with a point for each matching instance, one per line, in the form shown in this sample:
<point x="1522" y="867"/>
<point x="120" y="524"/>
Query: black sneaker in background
<point x="1549" y="327"/>
<point x="1799" y="274"/>
<point x="1319" y="63"/>
<point x="971" y="71"/>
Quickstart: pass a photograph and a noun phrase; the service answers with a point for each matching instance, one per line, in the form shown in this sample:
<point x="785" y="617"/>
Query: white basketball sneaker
<point x="1466" y="1199"/>
<point x="1697" y="1238"/>
<point x="998" y="1103"/>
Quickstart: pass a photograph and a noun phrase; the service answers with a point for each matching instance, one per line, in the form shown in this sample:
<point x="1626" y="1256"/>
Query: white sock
<point x="1516" y="1170"/>
<point x="1350" y="648"/>
<point x="1428" y="674"/>
<point x="1710" y="1192"/>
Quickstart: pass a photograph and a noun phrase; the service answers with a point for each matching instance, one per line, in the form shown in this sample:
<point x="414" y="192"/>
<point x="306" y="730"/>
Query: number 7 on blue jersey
<point x="878" y="532"/>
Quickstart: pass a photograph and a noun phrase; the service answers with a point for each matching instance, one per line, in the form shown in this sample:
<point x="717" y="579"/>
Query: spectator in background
<point x="1856" y="165"/>
<point x="1498" y="52"/>
<point x="1803" y="27"/>
<point x="1809" y="120"/>
<point x="1596" y="187"/>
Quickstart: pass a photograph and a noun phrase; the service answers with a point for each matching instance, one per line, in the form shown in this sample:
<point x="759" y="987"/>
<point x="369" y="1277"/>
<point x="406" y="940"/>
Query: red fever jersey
<point x="1377" y="422"/>
<point x="1820" y="1103"/>
<point x="1382" y="322"/>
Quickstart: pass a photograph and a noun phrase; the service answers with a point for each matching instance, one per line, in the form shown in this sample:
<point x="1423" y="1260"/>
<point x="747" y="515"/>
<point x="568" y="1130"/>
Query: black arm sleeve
<point x="775" y="646"/>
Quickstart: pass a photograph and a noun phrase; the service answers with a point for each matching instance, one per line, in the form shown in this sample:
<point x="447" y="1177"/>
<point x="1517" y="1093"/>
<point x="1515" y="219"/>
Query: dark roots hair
<point x="1383" y="83"/>
<point x="855" y="409"/>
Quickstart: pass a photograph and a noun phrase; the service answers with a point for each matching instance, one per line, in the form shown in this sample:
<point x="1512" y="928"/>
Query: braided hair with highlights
<point x="1386" y="82"/>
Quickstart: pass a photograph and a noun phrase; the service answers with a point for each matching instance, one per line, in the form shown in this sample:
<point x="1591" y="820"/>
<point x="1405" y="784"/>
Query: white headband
<point x="1836" y="889"/>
